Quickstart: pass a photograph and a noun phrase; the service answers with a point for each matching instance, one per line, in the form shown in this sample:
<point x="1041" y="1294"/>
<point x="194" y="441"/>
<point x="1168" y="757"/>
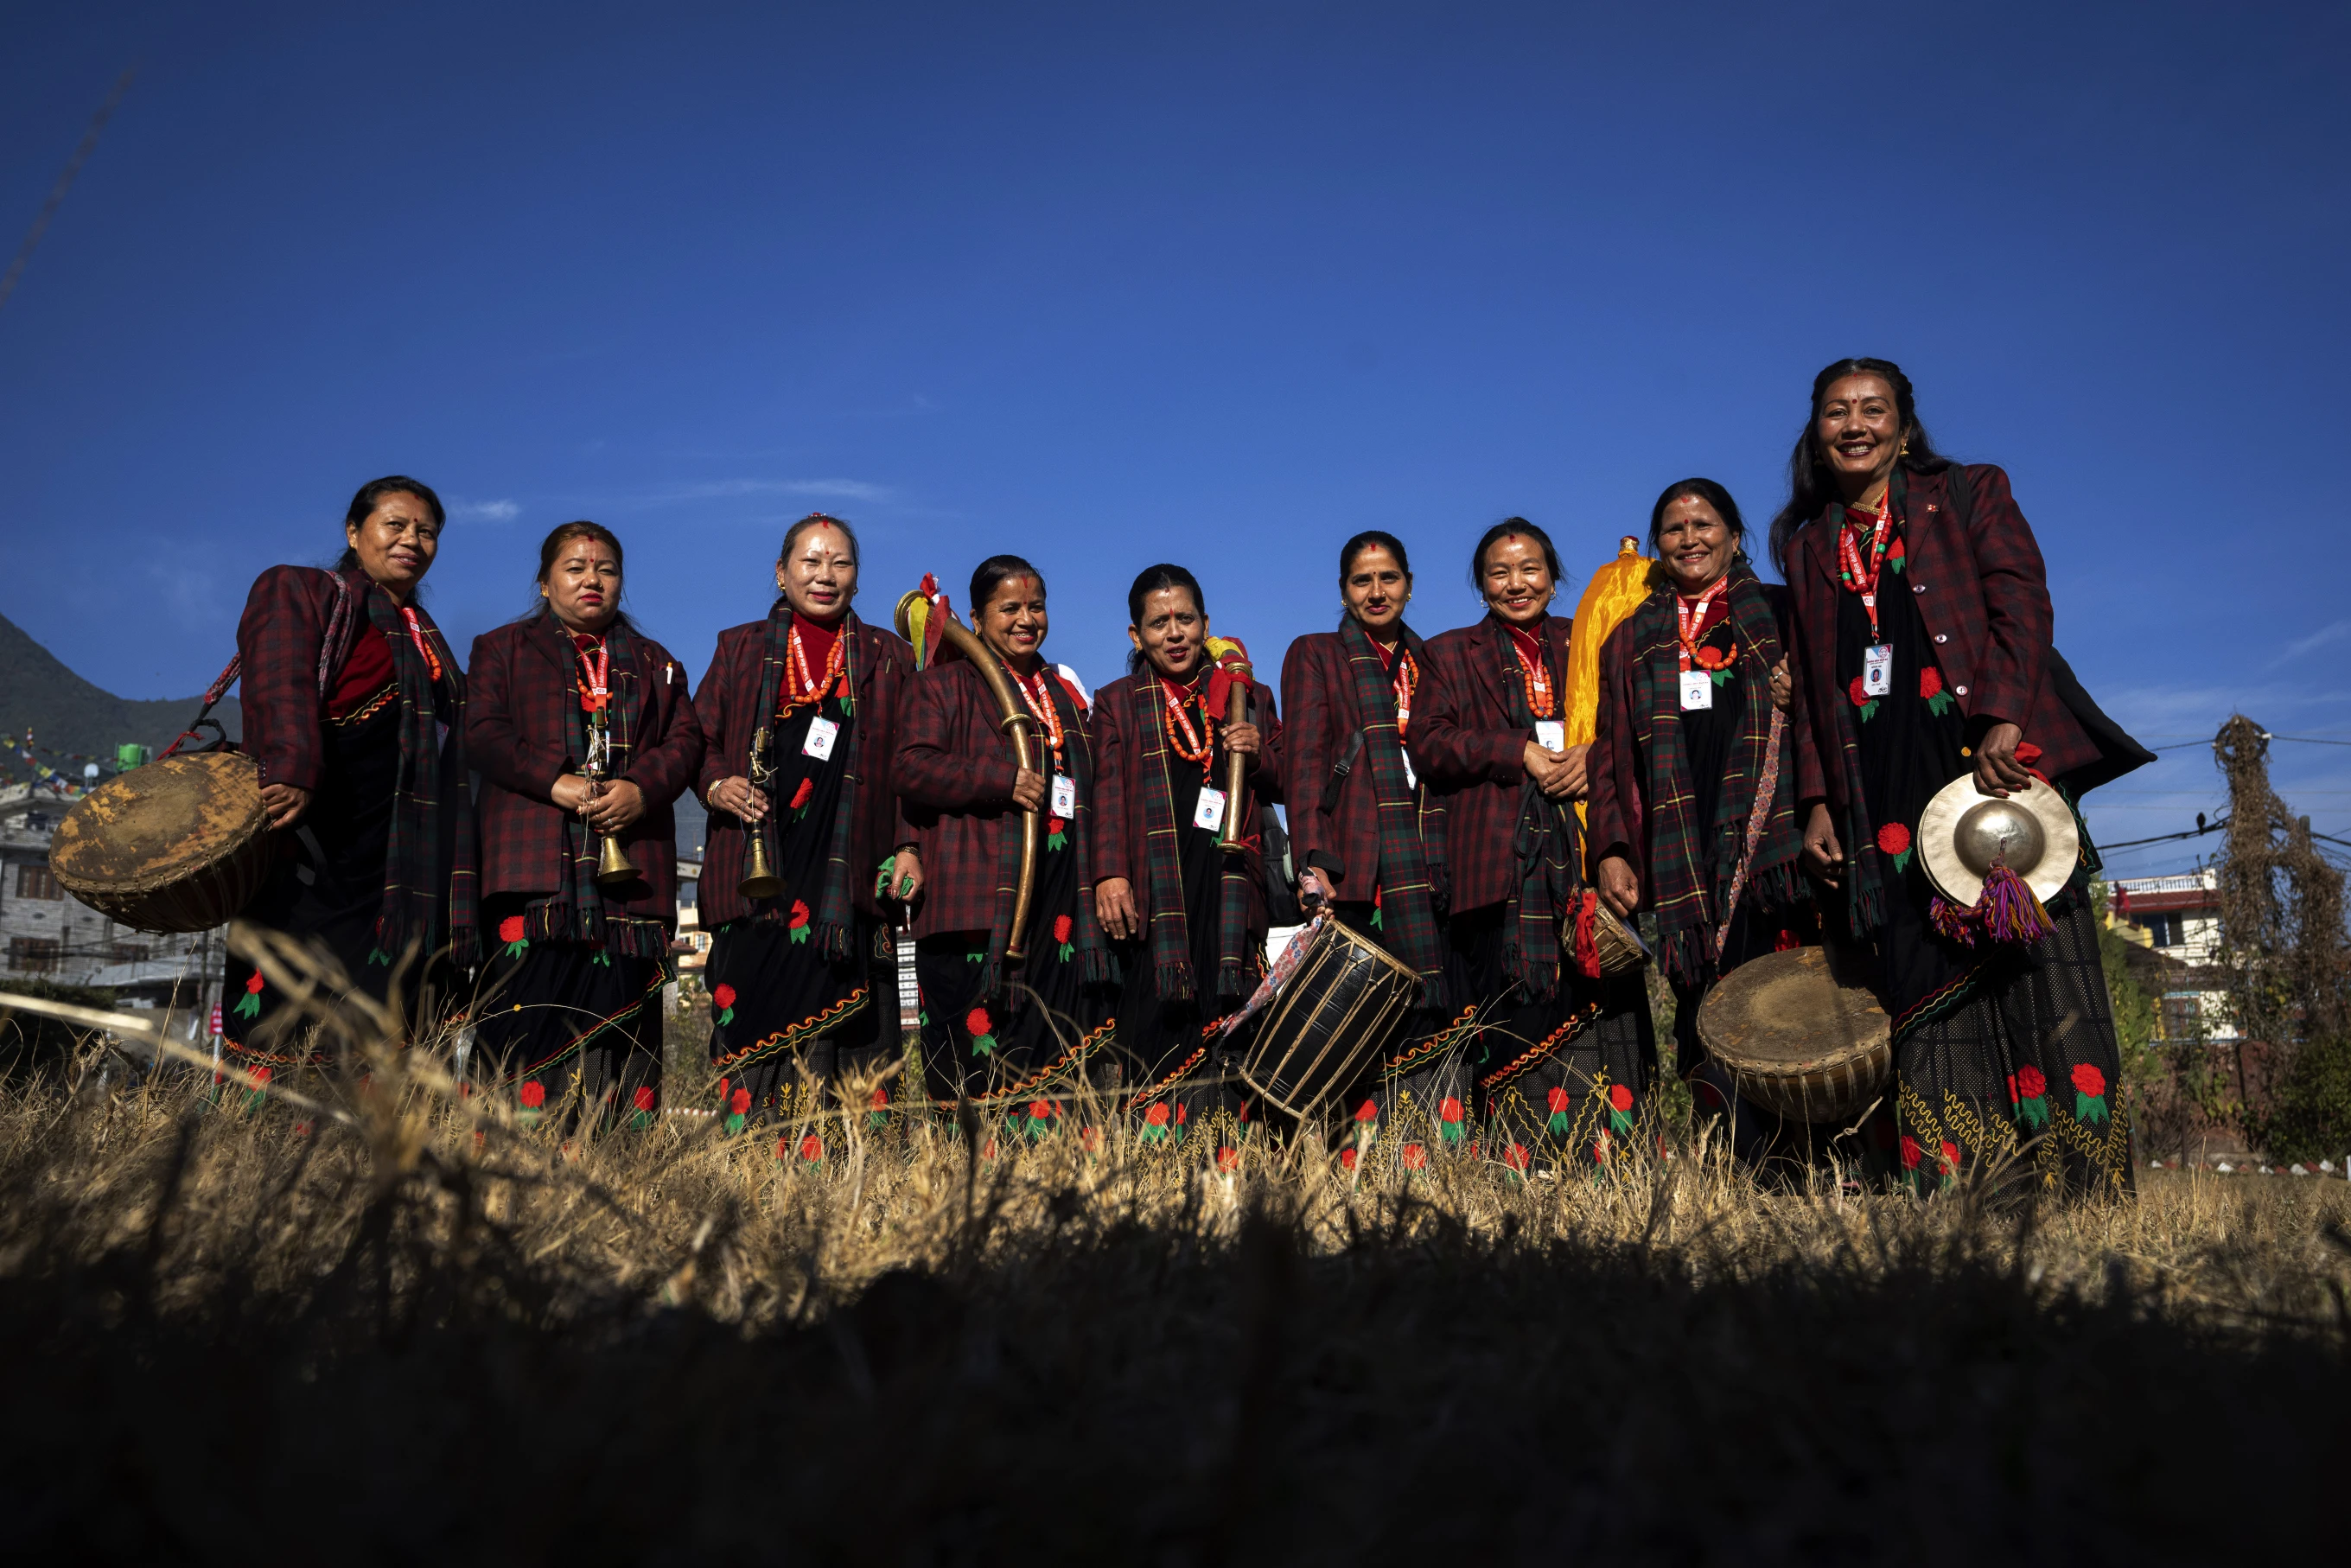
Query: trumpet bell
<point x="760" y="879"/>
<point x="613" y="867"/>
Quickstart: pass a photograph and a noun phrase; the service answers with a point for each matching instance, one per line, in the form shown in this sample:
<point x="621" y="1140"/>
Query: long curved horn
<point x="1022" y="727"/>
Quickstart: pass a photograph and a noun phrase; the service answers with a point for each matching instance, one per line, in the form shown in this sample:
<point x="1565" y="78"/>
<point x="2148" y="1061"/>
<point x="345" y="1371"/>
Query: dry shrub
<point x="248" y="1332"/>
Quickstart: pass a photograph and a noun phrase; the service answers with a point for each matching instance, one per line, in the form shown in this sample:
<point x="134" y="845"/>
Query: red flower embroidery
<point x="253" y="984"/>
<point x="1448" y="1109"/>
<point x="1090" y="1139"/>
<point x="1183" y="1113"/>
<point x="1620" y="1097"/>
<point x="534" y="1094"/>
<point x="263" y="1075"/>
<point x="1054" y="824"/>
<point x="1951" y="1157"/>
<point x="1894" y="839"/>
<point x="2088" y="1080"/>
<point x="643" y="1098"/>
<point x="811" y="1147"/>
<point x="1039" y="1109"/>
<point x="1930" y="682"/>
<point x="881" y="1101"/>
<point x="1860" y="697"/>
<point x="1346" y="1159"/>
<point x="2011" y="1088"/>
<point x="800" y="796"/>
<point x="1156" y="1116"/>
<point x="1228" y="1159"/>
<point x="725" y="997"/>
<point x="511" y="928"/>
<point x="987" y="1150"/>
<point x="799" y="914"/>
<point x="1515" y="1156"/>
<point x="1061" y="929"/>
<point x="741" y="1104"/>
<point x="977" y="1022"/>
<point x="1560" y="1100"/>
<point x="1369" y="1111"/>
<point x="1911" y="1153"/>
<point x="2030" y="1083"/>
<point x="1414" y="1156"/>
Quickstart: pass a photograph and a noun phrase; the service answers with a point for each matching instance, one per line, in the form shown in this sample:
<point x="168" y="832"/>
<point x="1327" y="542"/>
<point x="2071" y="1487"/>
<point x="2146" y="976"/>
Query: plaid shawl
<point x="577" y="911"/>
<point x="1545" y="846"/>
<point x="432" y="844"/>
<point x="836" y="930"/>
<point x="1688" y="903"/>
<point x="1406" y="892"/>
<point x="1093" y="952"/>
<point x="1171" y="922"/>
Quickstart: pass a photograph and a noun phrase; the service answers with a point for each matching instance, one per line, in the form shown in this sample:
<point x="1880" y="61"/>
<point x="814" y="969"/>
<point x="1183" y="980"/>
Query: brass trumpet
<point x="760" y="878"/>
<point x="613" y="867"/>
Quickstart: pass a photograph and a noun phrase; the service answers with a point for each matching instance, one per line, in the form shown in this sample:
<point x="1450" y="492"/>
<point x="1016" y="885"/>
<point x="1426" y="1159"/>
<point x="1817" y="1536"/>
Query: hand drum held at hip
<point x="181" y="845"/>
<point x="1346" y="1004"/>
<point x="1800" y="1040"/>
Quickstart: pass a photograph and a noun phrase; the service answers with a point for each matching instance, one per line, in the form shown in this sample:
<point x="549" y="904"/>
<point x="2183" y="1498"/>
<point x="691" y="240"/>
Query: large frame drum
<point x="1346" y="1003"/>
<point x="181" y="845"/>
<point x="1799" y="1039"/>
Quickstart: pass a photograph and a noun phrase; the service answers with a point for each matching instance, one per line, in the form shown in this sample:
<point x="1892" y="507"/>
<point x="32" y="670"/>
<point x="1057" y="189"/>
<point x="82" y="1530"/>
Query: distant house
<point x="2176" y="919"/>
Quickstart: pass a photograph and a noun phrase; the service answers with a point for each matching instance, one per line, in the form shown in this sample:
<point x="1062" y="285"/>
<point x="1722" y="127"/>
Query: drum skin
<point x="1800" y="1040"/>
<point x="181" y="845"/>
<point x="1345" y="1004"/>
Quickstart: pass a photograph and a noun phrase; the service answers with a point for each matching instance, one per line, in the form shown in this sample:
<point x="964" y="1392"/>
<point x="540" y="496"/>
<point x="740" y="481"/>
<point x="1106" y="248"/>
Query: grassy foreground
<point x="244" y="1333"/>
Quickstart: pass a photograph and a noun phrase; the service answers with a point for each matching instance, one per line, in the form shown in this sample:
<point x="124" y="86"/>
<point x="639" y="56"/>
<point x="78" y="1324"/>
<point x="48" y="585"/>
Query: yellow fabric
<point x="1614" y="592"/>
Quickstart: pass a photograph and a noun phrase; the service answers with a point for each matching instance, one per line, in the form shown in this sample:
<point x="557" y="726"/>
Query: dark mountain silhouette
<point x="68" y="714"/>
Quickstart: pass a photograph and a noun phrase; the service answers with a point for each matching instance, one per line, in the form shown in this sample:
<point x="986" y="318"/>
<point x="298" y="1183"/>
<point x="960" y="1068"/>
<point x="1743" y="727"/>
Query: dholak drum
<point x="1345" y="1004"/>
<point x="1619" y="945"/>
<point x="1800" y="1040"/>
<point x="181" y="845"/>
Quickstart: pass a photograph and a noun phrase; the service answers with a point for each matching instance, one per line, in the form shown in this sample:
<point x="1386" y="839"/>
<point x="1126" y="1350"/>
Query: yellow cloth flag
<point x="1614" y="592"/>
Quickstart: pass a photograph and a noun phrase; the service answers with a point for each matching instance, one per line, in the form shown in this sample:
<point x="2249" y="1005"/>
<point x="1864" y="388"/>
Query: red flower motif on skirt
<point x="741" y="1104"/>
<point x="1061" y="929"/>
<point x="252" y="982"/>
<point x="263" y="1075"/>
<point x="1040" y="1109"/>
<point x="643" y="1098"/>
<point x="511" y="928"/>
<point x="2088" y="1080"/>
<point x="1346" y="1159"/>
<point x="1559" y="1100"/>
<point x="881" y="1101"/>
<point x="1515" y="1156"/>
<point x="1930" y="682"/>
<point x="977" y="1022"/>
<point x="534" y="1094"/>
<point x="1369" y="1111"/>
<point x="1090" y="1139"/>
<point x="1860" y="698"/>
<point x="1228" y="1159"/>
<point x="799" y="916"/>
<point x="1448" y="1109"/>
<point x="1894" y="839"/>
<point x="1156" y="1116"/>
<point x="811" y="1147"/>
<point x="2030" y="1084"/>
<point x="724" y="996"/>
<point x="1911" y="1153"/>
<point x="1620" y="1097"/>
<point x="1951" y="1157"/>
<point x="1414" y="1156"/>
<point x="800" y="796"/>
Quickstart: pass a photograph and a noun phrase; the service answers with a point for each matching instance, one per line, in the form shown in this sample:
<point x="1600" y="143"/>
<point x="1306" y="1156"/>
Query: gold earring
<point x="1905" y="448"/>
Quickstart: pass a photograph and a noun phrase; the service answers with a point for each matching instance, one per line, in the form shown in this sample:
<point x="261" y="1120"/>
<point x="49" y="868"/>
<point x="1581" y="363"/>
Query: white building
<point x="2179" y="917"/>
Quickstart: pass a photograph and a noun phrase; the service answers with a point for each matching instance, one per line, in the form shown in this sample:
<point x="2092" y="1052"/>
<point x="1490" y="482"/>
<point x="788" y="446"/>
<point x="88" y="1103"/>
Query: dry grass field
<point x="241" y="1330"/>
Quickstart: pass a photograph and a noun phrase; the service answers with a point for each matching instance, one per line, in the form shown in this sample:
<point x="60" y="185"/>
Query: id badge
<point x="1877" y="670"/>
<point x="822" y="732"/>
<point x="1697" y="690"/>
<point x="1411" y="780"/>
<point x="1210" y="811"/>
<point x="1065" y="796"/>
<point x="1550" y="735"/>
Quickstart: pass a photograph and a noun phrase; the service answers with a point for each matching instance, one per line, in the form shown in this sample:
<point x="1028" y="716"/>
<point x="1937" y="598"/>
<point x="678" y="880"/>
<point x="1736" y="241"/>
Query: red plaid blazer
<point x="518" y="734"/>
<point x="1463" y="744"/>
<point x="954" y="774"/>
<point x="1984" y="596"/>
<point x="1318" y="692"/>
<point x="730" y="691"/>
<point x="277" y="644"/>
<point x="1119" y="780"/>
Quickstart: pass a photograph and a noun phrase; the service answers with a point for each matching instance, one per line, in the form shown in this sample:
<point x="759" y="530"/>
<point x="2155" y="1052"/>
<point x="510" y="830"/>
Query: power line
<point x="65" y="181"/>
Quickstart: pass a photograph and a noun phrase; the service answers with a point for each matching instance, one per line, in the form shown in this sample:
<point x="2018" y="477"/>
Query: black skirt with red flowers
<point x="564" y="1027"/>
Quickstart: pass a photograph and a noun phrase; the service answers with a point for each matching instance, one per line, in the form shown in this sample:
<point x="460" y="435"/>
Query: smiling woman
<point x="355" y="709"/>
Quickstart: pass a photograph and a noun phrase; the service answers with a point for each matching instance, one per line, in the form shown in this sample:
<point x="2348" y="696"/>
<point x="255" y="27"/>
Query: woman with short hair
<point x="993" y="1030"/>
<point x="354" y="708"/>
<point x="1923" y="640"/>
<point x="1185" y="914"/>
<point x="584" y="733"/>
<point x="1685" y="741"/>
<point x="1368" y="837"/>
<point x="1562" y="1055"/>
<point x="800" y="711"/>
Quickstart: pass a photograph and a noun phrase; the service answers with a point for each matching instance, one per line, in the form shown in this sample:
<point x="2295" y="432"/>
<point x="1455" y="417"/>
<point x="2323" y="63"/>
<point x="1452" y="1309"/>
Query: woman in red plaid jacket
<point x="801" y="713"/>
<point x="355" y="710"/>
<point x="1560" y="1058"/>
<point x="1368" y="836"/>
<point x="1189" y="915"/>
<point x="1923" y="655"/>
<point x="994" y="1030"/>
<point x="582" y="731"/>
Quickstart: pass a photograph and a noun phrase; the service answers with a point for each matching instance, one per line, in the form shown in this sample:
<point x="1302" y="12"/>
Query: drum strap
<point x="1339" y="771"/>
<point x="1756" y="818"/>
<point x="212" y="694"/>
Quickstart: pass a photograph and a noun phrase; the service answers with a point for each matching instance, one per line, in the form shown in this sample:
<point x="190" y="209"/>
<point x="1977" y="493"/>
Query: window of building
<point x="36" y="881"/>
<point x="33" y="954"/>
<point x="2165" y="930"/>
<point x="2181" y="1018"/>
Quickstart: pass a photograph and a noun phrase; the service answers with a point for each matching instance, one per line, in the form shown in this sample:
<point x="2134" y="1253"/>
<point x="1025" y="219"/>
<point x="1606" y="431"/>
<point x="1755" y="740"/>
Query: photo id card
<point x="1065" y="796"/>
<point x="1697" y="690"/>
<point x="1210" y="811"/>
<point x="823" y="733"/>
<point x="1877" y="670"/>
<point x="1550" y="735"/>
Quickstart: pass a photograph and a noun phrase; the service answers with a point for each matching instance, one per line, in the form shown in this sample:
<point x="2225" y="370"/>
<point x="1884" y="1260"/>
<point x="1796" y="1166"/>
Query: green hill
<point x="68" y="714"/>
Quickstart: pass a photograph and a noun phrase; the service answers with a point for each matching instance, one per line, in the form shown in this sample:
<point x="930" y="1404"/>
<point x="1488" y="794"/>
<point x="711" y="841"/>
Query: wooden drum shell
<point x="182" y="845"/>
<point x="1347" y="1003"/>
<point x="1799" y="1039"/>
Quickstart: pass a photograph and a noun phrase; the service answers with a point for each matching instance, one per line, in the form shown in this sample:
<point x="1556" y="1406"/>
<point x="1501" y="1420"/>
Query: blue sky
<point x="1107" y="285"/>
